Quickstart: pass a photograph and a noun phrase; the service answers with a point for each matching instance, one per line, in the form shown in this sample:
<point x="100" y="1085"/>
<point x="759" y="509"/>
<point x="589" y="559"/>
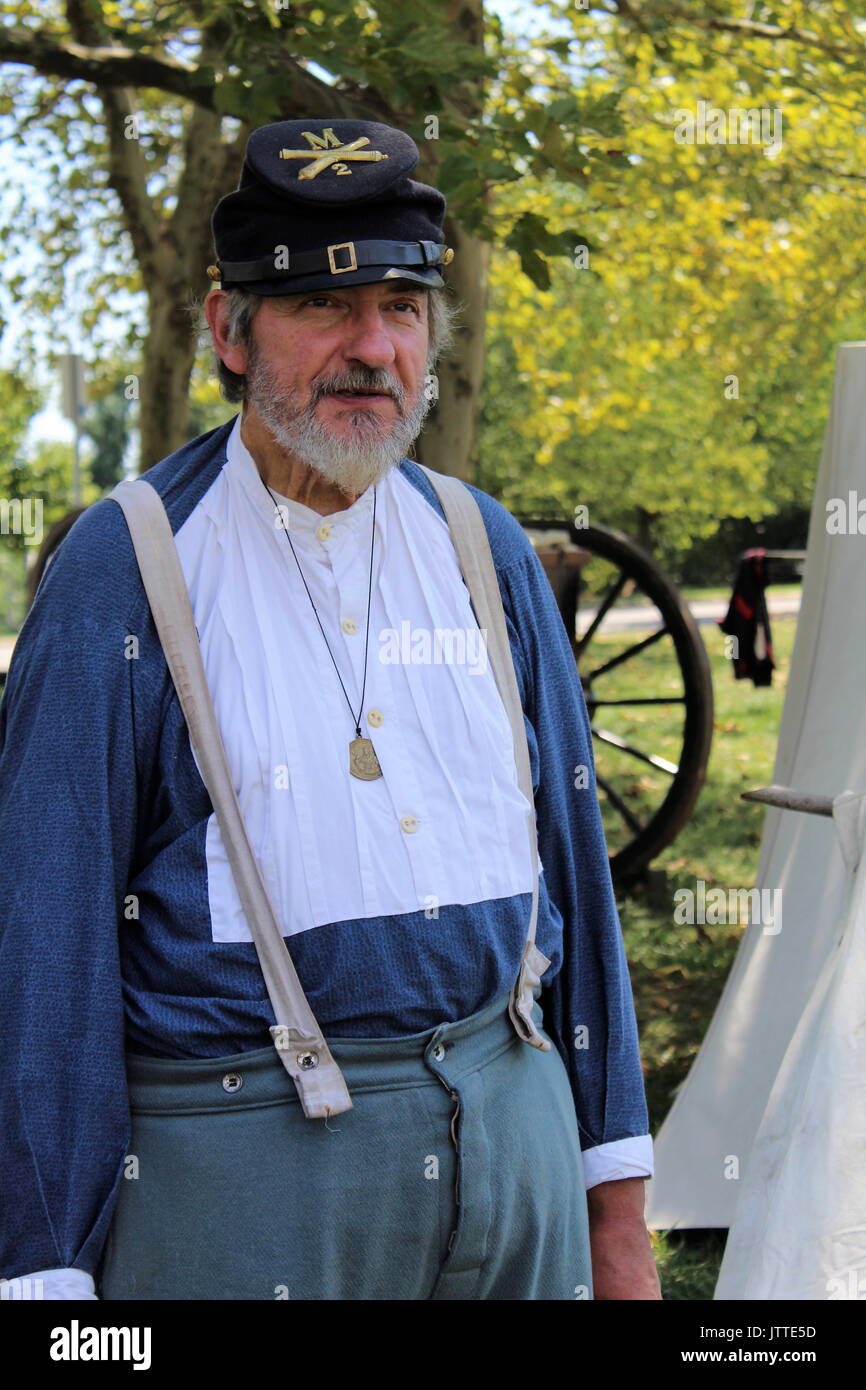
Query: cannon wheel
<point x="664" y="667"/>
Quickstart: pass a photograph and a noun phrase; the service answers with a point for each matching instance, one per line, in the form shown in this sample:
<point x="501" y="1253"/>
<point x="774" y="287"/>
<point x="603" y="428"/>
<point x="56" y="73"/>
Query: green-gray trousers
<point x="456" y="1175"/>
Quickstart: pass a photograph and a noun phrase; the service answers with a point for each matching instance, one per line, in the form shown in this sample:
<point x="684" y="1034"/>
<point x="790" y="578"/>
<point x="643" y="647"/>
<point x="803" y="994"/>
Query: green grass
<point x="688" y="1263"/>
<point x="678" y="971"/>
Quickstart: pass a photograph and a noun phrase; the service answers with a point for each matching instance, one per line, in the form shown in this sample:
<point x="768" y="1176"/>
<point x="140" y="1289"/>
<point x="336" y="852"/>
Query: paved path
<point x="706" y="611"/>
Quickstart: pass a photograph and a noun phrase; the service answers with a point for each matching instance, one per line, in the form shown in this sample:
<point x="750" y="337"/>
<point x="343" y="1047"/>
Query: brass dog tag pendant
<point x="363" y="762"/>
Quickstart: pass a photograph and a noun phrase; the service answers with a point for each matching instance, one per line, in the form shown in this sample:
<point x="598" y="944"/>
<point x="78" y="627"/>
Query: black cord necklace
<point x="363" y="762"/>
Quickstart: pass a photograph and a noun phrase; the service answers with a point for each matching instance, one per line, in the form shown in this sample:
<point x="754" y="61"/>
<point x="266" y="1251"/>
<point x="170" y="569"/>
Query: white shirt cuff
<point x="622" y="1158"/>
<point x="49" y="1283"/>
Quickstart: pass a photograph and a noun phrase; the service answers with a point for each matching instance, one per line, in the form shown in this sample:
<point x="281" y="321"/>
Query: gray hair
<point x="243" y="306"/>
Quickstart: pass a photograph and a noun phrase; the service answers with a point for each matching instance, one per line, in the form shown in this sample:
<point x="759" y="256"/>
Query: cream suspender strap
<point x="469" y="537"/>
<point x="296" y="1034"/>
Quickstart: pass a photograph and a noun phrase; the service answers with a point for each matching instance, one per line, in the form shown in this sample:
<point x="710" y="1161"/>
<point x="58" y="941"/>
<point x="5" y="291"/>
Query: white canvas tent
<point x="799" y="1229"/>
<point x="748" y="1095"/>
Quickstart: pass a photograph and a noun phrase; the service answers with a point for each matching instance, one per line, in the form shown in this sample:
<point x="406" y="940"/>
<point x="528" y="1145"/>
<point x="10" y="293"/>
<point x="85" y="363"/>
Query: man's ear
<point x="216" y="310"/>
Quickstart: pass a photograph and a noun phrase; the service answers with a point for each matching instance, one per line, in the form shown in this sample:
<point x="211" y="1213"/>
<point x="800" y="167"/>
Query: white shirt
<point x="447" y="821"/>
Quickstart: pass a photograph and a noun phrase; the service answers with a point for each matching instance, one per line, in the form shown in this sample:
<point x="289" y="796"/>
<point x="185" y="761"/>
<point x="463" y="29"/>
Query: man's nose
<point x="367" y="339"/>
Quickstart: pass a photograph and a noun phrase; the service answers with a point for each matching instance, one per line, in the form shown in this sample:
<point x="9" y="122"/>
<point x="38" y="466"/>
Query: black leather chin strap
<point x="338" y="258"/>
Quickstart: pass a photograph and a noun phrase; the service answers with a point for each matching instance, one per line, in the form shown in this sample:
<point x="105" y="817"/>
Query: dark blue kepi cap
<point x="328" y="202"/>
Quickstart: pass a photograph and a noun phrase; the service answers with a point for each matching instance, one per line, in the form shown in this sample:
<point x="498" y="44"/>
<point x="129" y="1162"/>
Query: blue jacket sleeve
<point x="591" y="991"/>
<point x="68" y="799"/>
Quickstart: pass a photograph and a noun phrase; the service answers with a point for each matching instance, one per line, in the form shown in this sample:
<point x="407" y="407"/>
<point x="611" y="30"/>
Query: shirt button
<point x="232" y="1082"/>
<point x="323" y="531"/>
<point x="409" y="824"/>
<point x="350" y="626"/>
<point x="438" y="1052"/>
<point x="375" y="717"/>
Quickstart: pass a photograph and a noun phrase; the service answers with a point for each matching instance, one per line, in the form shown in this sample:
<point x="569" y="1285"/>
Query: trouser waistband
<point x="247" y="1079"/>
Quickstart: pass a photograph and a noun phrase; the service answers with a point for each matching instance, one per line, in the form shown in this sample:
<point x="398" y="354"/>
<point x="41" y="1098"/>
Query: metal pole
<point x="74" y="401"/>
<point x="76" y="466"/>
<point x="790" y="800"/>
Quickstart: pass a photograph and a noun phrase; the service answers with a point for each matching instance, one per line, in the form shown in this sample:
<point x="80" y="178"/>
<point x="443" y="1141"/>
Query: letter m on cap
<point x="327" y="139"/>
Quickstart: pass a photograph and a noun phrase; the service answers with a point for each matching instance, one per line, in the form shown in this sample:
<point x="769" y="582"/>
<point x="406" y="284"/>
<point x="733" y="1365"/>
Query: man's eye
<point x="329" y="302"/>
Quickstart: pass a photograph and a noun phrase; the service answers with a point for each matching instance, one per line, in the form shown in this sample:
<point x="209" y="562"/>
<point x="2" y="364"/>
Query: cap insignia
<point x="334" y="155"/>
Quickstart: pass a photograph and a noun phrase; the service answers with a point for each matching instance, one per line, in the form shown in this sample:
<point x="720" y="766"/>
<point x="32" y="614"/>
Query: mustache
<point x="361" y="379"/>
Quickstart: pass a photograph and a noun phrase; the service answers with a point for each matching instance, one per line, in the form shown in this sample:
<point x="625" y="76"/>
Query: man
<point x="471" y="1164"/>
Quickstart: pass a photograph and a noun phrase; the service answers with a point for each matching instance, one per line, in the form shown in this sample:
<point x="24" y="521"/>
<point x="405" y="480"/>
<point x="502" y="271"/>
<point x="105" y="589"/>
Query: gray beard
<point x="351" y="464"/>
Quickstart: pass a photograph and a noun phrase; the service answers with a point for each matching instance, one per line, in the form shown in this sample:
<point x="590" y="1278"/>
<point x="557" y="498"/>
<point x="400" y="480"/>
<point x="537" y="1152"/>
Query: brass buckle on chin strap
<point x="342" y="246"/>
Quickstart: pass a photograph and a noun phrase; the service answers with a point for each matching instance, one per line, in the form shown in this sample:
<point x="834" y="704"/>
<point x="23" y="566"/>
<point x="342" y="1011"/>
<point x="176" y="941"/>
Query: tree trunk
<point x="175" y="266"/>
<point x="168" y="356"/>
<point x="448" y="441"/>
<point x="645" y="528"/>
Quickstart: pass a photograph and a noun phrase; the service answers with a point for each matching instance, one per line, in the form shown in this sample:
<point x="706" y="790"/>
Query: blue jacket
<point x="100" y="798"/>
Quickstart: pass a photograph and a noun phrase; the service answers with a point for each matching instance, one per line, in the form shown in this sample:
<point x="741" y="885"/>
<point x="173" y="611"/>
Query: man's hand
<point x="622" y="1259"/>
